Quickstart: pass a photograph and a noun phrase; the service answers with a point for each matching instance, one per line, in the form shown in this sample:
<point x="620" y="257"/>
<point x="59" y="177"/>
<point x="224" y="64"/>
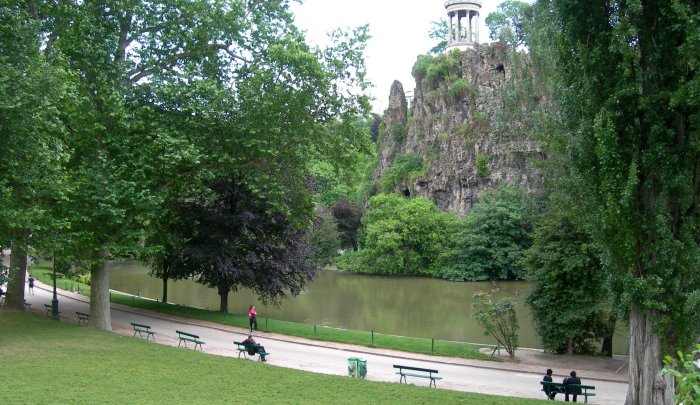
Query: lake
<point x="417" y="307"/>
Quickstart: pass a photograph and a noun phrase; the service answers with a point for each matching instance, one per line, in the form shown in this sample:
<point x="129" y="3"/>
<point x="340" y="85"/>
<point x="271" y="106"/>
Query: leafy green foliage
<point x="400" y="236"/>
<point x="439" y="32"/>
<point x="437" y="69"/>
<point x="686" y="372"/>
<point x="492" y="240"/>
<point x="403" y="170"/>
<point x="458" y="89"/>
<point x="324" y="238"/>
<point x="509" y="22"/>
<point x="482" y="166"/>
<point x="498" y="318"/>
<point x="348" y="216"/>
<point x="570" y="298"/>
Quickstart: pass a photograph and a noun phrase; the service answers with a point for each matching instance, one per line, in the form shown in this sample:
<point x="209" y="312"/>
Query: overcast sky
<point x="399" y="30"/>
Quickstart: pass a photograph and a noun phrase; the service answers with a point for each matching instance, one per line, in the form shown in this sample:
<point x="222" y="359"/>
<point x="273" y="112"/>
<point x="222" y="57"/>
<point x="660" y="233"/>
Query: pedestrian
<point x="31" y="285"/>
<point x="572" y="386"/>
<point x="2" y="296"/>
<point x="548" y="389"/>
<point x="253" y="318"/>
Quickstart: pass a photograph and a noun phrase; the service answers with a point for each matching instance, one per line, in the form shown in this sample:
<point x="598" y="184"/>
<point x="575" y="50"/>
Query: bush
<point x="492" y="241"/>
<point x="498" y="318"/>
<point x="398" y="132"/>
<point x="400" y="236"/>
<point x="420" y="68"/>
<point x="348" y="216"/>
<point x="482" y="166"/>
<point x="458" y="89"/>
<point x="686" y="372"/>
<point x="405" y="168"/>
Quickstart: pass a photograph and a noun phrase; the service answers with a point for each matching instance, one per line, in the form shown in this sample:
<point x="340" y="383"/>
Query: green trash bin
<point x="357" y="368"/>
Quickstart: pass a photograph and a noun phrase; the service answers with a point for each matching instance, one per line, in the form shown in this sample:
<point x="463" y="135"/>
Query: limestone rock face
<point x="469" y="135"/>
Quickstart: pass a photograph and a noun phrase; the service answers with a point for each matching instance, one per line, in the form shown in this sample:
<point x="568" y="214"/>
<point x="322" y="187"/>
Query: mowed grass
<point x="361" y="338"/>
<point x="48" y="362"/>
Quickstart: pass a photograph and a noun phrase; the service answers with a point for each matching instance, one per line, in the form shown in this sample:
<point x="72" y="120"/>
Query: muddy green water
<point x="416" y="307"/>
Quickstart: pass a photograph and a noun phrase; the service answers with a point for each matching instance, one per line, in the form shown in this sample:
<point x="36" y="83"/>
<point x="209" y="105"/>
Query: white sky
<point x="399" y="30"/>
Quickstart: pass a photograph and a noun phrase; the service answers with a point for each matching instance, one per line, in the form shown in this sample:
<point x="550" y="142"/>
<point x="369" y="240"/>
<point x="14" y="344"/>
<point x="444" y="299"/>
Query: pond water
<point x="417" y="307"/>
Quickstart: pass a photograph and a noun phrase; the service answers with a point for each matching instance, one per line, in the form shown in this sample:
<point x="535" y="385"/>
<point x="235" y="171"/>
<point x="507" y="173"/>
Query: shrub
<point x="482" y="166"/>
<point x="458" y="89"/>
<point x="499" y="320"/>
<point x="420" y="68"/>
<point x="405" y="168"/>
<point x="398" y="132"/>
<point x="686" y="372"/>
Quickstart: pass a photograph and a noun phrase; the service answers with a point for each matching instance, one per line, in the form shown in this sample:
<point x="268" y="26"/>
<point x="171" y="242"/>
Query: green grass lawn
<point x="362" y="338"/>
<point x="48" y="362"/>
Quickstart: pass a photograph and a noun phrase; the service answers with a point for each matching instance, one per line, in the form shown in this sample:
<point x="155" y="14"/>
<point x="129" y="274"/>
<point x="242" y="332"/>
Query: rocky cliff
<point x="467" y="129"/>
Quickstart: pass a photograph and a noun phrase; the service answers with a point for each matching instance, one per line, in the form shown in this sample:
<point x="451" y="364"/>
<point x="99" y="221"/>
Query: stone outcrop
<point x="468" y="128"/>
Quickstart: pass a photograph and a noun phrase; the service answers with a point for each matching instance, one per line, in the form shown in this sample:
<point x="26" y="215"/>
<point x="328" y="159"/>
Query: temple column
<point x="451" y="37"/>
<point x="459" y="26"/>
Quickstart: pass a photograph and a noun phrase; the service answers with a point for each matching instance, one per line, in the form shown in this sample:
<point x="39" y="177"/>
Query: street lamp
<point x="54" y="302"/>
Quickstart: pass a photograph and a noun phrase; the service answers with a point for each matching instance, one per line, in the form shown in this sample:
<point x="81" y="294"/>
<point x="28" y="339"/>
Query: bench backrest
<point x="187" y="334"/>
<point x="82" y="314"/>
<point x="138" y="325"/>
<point x="425" y="370"/>
<point x="45" y="305"/>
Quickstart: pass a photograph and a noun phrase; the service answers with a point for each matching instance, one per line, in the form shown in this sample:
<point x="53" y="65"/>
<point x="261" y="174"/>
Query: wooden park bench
<point x="243" y="350"/>
<point x="47" y="307"/>
<point x="417" y="372"/>
<point x="562" y="389"/>
<point x="185" y="337"/>
<point x="143" y="331"/>
<point x="82" y="318"/>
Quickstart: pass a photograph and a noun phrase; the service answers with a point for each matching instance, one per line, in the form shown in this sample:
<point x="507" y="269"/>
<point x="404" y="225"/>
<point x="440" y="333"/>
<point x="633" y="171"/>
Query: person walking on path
<point x="572" y="386"/>
<point x="31" y="285"/>
<point x="548" y="389"/>
<point x="253" y="318"/>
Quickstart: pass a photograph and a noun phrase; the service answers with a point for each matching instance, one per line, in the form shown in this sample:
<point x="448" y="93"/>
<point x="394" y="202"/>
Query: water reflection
<point x="402" y="306"/>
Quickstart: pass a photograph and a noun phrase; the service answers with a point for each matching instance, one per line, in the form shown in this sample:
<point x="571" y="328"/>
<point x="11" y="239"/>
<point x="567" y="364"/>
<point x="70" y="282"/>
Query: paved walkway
<point x="494" y="378"/>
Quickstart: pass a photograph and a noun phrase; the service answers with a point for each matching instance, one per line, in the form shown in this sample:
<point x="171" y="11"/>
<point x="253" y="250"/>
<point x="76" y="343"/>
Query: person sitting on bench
<point x="549" y="390"/>
<point x="575" y="390"/>
<point x="254" y="348"/>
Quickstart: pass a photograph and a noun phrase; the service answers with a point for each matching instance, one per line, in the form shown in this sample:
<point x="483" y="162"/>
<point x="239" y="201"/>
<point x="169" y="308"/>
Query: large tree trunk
<point x="165" y="288"/>
<point x="100" y="315"/>
<point x="18" y="275"/>
<point x="223" y="294"/>
<point x="647" y="385"/>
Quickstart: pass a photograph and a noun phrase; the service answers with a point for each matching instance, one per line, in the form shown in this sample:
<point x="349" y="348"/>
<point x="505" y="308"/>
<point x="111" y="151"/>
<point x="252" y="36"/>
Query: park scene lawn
<point x="57" y="363"/>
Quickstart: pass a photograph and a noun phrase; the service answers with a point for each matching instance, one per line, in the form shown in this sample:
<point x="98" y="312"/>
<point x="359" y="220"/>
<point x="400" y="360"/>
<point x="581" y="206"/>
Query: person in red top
<point x="252" y="317"/>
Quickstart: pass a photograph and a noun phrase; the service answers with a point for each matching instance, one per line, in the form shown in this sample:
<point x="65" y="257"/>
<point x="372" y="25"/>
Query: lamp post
<point x="54" y="301"/>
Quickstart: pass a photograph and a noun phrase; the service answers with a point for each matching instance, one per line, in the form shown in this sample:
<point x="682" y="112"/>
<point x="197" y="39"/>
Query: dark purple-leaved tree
<point x="234" y="238"/>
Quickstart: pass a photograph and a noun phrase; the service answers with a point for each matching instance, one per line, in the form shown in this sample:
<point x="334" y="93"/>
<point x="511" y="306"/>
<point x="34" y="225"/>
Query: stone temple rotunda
<point x="463" y="18"/>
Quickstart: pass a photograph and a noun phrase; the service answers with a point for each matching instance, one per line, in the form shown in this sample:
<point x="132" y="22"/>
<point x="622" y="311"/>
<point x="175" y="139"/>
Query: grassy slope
<point x="362" y="338"/>
<point x="46" y="362"/>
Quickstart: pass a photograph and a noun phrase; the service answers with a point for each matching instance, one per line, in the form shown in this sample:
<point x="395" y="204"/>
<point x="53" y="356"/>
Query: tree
<point x="236" y="239"/>
<point x="400" y="236"/>
<point x="439" y="32"/>
<point x="509" y="22"/>
<point x="570" y="298"/>
<point x="492" y="241"/>
<point x="349" y="218"/>
<point x="499" y="320"/>
<point x="629" y="93"/>
<point x="36" y="91"/>
<point x="324" y="238"/>
<point x="175" y="94"/>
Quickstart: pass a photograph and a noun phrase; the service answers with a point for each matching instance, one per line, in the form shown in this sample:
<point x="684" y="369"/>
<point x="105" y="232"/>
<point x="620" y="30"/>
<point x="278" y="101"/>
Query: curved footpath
<point x="496" y="378"/>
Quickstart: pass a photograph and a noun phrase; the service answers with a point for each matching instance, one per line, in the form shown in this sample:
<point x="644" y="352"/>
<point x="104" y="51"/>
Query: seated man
<point x="572" y="386"/>
<point x="549" y="390"/>
<point x="254" y="348"/>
